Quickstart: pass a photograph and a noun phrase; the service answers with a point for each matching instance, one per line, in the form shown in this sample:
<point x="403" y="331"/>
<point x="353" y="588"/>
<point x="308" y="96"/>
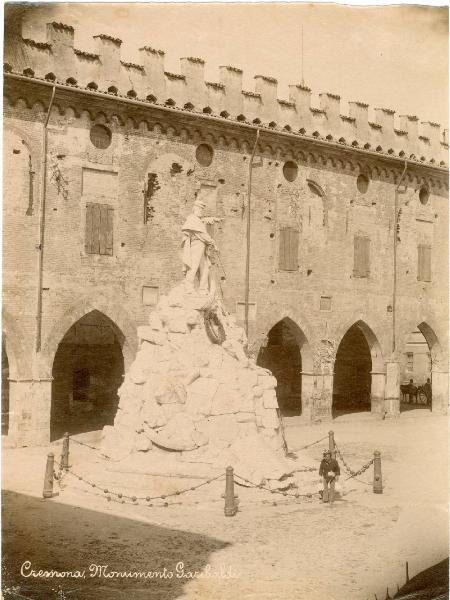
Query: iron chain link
<point x="350" y="471"/>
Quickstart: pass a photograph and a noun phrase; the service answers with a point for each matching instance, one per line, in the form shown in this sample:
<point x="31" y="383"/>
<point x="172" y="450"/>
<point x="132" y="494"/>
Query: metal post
<point x="377" y="479"/>
<point x="407" y="572"/>
<point x="48" y="479"/>
<point x="230" y="505"/>
<point x="331" y="446"/>
<point x="249" y="205"/>
<point x="65" y="453"/>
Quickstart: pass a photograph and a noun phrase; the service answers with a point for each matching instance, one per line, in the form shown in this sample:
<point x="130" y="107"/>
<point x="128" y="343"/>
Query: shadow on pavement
<point x="431" y="584"/>
<point x="58" y="537"/>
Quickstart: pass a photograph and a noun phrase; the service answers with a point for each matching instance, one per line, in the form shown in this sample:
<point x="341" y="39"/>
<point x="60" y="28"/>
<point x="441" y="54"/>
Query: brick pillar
<point x="392" y="392"/>
<point x="377" y="391"/>
<point x="29" y="420"/>
<point x="307" y="394"/>
<point x="322" y="397"/>
<point x="439" y="382"/>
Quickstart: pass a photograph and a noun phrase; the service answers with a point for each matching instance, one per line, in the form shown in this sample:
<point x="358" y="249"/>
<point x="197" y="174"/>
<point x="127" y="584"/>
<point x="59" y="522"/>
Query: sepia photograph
<point x="225" y="301"/>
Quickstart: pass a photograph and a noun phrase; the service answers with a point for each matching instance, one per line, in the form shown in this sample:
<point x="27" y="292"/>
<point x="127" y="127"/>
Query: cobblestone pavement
<point x="291" y="551"/>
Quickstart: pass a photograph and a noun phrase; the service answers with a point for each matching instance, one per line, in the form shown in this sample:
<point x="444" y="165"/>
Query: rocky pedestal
<point x="193" y="393"/>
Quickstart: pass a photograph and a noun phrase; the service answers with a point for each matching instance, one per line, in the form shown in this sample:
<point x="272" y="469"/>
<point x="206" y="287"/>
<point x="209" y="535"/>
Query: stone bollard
<point x="331" y="444"/>
<point x="377" y="479"/>
<point x="65" y="453"/>
<point x="49" y="475"/>
<point x="230" y="504"/>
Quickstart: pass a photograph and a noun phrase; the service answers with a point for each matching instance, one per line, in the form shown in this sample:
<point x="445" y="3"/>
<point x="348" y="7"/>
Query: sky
<point x="387" y="56"/>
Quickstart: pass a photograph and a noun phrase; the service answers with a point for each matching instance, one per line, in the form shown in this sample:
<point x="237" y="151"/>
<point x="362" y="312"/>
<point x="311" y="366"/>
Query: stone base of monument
<point x="191" y="404"/>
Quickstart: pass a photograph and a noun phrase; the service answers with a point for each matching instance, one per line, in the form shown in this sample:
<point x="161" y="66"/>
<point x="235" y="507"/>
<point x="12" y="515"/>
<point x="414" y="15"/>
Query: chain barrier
<point x="304" y="470"/>
<point x="350" y="471"/>
<point x="112" y="495"/>
<point x="87" y="445"/>
<point x="136" y="499"/>
<point x="311" y="444"/>
<point x="261" y="486"/>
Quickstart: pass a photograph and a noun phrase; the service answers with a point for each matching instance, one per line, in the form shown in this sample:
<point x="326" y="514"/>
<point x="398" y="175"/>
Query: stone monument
<point x="192" y="392"/>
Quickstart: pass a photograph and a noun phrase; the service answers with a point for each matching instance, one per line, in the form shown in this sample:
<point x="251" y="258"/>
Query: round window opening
<point x="424" y="195"/>
<point x="100" y="136"/>
<point x="290" y="171"/>
<point x="362" y="183"/>
<point x="204" y="155"/>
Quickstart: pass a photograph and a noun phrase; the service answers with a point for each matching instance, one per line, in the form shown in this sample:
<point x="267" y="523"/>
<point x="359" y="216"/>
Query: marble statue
<point x="197" y="244"/>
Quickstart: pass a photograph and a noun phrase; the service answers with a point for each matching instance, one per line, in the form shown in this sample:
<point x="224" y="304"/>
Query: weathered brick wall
<point x="323" y="203"/>
<point x="149" y="254"/>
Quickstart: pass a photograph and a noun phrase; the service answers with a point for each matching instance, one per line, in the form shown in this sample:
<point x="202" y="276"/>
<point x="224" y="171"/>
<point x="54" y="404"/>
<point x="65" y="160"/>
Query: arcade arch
<point x="88" y="369"/>
<point x="358" y="362"/>
<point x="287" y="355"/>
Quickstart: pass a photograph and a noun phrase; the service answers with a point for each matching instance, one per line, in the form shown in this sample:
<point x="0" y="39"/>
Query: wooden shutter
<point x="361" y="260"/>
<point x="88" y="242"/>
<point x="95" y="228"/>
<point x="92" y="228"/>
<point x="109" y="232"/>
<point x="293" y="249"/>
<point x="99" y="229"/>
<point x="282" y="259"/>
<point x="424" y="262"/>
<point x="288" y="256"/>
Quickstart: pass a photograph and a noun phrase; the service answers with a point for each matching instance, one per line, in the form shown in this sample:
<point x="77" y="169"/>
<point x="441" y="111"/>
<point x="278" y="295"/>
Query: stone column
<point x="323" y="397"/>
<point x="392" y="392"/>
<point x="307" y="394"/>
<point x="439" y="382"/>
<point x="377" y="392"/>
<point x="29" y="419"/>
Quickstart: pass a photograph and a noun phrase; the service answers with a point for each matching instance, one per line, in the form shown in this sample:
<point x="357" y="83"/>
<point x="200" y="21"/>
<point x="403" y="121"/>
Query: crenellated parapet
<point x="104" y="70"/>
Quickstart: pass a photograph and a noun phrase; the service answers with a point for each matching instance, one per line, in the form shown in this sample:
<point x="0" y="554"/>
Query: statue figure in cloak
<point x="197" y="244"/>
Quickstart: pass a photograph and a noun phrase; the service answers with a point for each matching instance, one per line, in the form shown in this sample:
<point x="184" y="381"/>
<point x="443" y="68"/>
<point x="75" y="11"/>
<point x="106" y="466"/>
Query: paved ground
<point x="291" y="551"/>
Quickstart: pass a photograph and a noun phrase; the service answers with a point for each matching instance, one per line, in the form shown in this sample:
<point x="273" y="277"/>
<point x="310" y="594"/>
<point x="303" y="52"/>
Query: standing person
<point x="427" y="390"/>
<point x="412" y="392"/>
<point x="330" y="471"/>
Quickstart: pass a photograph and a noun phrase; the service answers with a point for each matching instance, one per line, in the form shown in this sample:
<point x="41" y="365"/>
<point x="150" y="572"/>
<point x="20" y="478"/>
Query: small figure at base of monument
<point x="197" y="244"/>
<point x="329" y="471"/>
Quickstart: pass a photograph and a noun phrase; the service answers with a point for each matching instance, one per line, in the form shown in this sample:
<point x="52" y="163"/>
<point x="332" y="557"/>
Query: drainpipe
<point x="40" y="247"/>
<point x="247" y="264"/>
<point x="394" y="291"/>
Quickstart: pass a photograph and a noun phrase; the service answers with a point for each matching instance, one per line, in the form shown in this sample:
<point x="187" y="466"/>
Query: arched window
<point x="319" y="213"/>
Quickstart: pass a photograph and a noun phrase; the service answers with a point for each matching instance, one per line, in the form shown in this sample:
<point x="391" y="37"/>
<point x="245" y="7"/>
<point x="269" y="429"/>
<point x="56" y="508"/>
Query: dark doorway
<point x="352" y="378"/>
<point x="282" y="356"/>
<point x="5" y="389"/>
<point x="87" y="371"/>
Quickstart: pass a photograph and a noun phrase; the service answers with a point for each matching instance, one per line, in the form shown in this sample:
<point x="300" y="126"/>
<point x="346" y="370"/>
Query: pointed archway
<point x="435" y="388"/>
<point x="357" y="358"/>
<point x="416" y="373"/>
<point x="87" y="371"/>
<point x="287" y="354"/>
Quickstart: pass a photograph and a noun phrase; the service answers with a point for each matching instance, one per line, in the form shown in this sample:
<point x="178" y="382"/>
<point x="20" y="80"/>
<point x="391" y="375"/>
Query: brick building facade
<point x="102" y="160"/>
